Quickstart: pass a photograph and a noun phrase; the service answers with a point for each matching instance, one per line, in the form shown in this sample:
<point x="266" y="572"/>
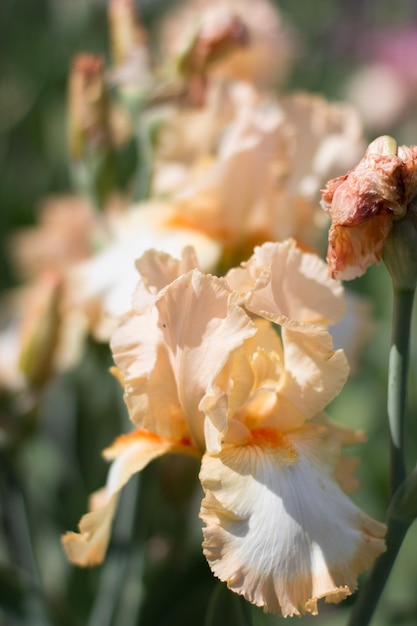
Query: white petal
<point x="278" y="528"/>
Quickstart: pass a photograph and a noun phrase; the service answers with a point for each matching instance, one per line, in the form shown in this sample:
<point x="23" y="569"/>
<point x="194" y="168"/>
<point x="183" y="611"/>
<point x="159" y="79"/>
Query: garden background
<point x="157" y="575"/>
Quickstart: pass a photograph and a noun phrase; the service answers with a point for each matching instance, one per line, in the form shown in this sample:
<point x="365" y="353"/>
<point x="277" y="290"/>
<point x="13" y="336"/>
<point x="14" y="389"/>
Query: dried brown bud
<point x="219" y="34"/>
<point x="364" y="203"/>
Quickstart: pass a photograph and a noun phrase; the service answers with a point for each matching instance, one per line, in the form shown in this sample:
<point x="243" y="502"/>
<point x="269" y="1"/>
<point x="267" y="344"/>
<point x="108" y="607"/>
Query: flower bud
<point x="40" y="329"/>
<point x="219" y="34"/>
<point x="364" y="204"/>
<point x="89" y="130"/>
<point x="88" y="127"/>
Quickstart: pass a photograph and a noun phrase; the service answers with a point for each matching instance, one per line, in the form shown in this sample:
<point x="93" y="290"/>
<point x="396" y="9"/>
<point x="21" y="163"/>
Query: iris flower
<point x="206" y="373"/>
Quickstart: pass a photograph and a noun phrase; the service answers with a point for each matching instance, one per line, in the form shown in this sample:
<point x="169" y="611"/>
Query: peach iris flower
<point x="205" y="373"/>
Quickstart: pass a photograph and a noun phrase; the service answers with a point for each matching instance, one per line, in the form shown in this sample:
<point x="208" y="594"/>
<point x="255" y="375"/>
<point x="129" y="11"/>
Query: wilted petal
<point x="352" y="250"/>
<point x="280" y="281"/>
<point x="130" y="454"/>
<point x="279" y="530"/>
<point x="363" y="204"/>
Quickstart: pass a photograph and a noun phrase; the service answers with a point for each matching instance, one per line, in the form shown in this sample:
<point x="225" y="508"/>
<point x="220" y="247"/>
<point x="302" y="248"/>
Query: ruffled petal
<point x="314" y="374"/>
<point x="280" y="281"/>
<point x="145" y="371"/>
<point x="279" y="530"/>
<point x="130" y="453"/>
<point x="200" y="330"/>
<point x="157" y="271"/>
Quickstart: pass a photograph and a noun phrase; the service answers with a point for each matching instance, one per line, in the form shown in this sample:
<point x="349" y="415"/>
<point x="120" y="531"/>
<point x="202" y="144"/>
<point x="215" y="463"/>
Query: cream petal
<point x="280" y="281"/>
<point x="130" y="454"/>
<point x="279" y="530"/>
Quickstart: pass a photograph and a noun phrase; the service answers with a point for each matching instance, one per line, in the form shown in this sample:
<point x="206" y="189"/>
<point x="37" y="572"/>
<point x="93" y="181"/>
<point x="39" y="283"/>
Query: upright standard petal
<point x="200" y="330"/>
<point x="170" y="354"/>
<point x="279" y="530"/>
<point x="280" y="281"/>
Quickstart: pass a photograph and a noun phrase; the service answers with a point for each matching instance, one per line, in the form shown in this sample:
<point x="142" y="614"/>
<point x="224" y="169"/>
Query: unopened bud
<point x="90" y="136"/>
<point x="40" y="329"/>
<point x="88" y="121"/>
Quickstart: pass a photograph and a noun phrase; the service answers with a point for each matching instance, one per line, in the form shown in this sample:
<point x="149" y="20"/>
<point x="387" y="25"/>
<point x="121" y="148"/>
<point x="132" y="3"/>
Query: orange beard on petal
<point x="273" y="439"/>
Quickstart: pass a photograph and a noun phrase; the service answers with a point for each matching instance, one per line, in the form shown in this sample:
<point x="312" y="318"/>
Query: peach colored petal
<point x="271" y="384"/>
<point x="150" y="389"/>
<point x="236" y="385"/>
<point x="314" y="373"/>
<point x="88" y="547"/>
<point x="345" y="466"/>
<point x="130" y="454"/>
<point x="279" y="530"/>
<point x="157" y="270"/>
<point x="200" y="330"/>
<point x="169" y="356"/>
<point x="280" y="281"/>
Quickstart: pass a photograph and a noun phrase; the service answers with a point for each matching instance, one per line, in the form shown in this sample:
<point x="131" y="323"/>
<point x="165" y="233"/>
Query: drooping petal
<point x="280" y="281"/>
<point x="130" y="453"/>
<point x="278" y="529"/>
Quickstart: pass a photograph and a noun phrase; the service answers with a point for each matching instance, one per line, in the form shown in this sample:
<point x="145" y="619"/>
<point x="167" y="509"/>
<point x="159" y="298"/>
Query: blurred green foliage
<point x="149" y="580"/>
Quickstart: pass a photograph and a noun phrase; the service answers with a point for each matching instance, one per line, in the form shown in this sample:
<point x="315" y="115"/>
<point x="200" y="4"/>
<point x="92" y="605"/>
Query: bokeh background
<point x="362" y="51"/>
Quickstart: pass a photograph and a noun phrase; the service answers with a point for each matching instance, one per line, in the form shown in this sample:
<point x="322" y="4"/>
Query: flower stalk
<point x="403" y="292"/>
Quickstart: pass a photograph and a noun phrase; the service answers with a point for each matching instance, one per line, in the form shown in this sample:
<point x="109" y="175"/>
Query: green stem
<point x="397" y="384"/>
<point x="396" y="402"/>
